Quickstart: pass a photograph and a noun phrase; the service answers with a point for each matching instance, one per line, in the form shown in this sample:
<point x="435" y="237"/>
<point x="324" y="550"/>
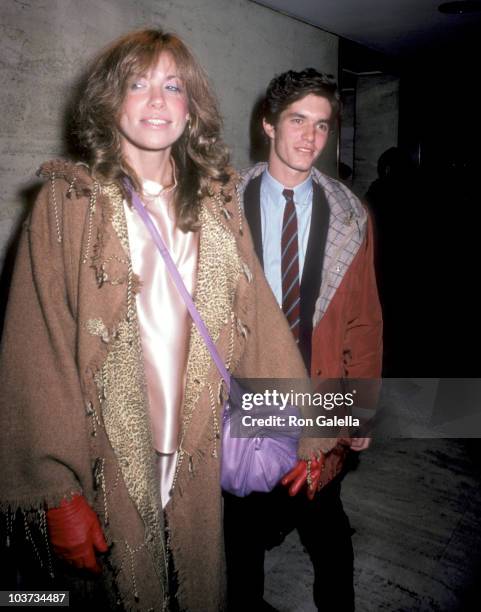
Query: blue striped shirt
<point x="272" y="213"/>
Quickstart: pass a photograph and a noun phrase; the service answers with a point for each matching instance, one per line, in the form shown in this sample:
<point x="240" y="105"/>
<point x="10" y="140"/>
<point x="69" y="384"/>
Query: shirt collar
<point x="301" y="191"/>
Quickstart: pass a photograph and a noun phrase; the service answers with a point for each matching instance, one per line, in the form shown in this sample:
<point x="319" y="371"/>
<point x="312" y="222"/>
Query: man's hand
<point x="305" y="473"/>
<point x="360" y="444"/>
<point x="75" y="533"/>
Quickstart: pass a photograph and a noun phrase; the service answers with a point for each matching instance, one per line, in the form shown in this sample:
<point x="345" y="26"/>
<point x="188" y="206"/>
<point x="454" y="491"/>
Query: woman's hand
<point x="75" y="533"/>
<point x="305" y="472"/>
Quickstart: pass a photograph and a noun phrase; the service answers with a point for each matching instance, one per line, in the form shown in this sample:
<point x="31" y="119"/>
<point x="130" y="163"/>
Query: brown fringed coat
<point x="73" y="398"/>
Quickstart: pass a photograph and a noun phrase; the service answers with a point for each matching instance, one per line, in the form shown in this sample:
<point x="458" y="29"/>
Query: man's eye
<point x="297" y="120"/>
<point x="323" y="127"/>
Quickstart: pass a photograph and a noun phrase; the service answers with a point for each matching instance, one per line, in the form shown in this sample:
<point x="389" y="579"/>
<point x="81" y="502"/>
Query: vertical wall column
<point x="376" y="126"/>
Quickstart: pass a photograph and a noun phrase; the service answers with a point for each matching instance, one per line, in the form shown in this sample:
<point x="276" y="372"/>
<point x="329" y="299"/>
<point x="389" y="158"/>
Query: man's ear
<point x="269" y="129"/>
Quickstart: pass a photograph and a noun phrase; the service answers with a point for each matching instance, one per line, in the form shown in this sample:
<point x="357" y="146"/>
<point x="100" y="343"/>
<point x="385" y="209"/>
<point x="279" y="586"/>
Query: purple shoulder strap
<point x="179" y="283"/>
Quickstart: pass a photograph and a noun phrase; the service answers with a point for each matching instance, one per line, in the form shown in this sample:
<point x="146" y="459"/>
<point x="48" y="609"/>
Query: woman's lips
<point x="155" y="122"/>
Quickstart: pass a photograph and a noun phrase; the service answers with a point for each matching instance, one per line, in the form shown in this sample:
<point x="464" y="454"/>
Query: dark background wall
<point x="427" y="217"/>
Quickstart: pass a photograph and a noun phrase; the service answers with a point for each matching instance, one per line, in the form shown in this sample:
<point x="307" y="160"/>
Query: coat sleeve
<point x="362" y="347"/>
<point x="44" y="438"/>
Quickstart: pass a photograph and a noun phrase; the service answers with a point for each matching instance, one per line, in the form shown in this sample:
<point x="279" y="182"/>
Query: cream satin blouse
<point x="163" y="318"/>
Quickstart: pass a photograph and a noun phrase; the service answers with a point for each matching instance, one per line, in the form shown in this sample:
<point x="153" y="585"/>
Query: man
<point x="314" y="240"/>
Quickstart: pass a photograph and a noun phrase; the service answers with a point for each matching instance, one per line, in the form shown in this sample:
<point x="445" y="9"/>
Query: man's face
<point x="300" y="135"/>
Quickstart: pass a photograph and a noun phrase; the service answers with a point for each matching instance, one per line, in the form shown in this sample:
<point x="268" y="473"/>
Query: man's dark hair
<point x="291" y="86"/>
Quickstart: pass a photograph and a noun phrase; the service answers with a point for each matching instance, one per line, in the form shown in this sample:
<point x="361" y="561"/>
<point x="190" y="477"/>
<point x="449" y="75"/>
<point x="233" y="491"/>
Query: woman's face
<point x="155" y="109"/>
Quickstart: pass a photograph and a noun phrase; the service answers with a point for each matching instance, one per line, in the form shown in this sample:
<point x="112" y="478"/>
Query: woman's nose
<point x="157" y="99"/>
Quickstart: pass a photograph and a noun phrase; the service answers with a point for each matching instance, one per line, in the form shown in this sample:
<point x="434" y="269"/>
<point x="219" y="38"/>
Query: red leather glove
<point x="298" y="477"/>
<point x="75" y="533"/>
<point x="322" y="471"/>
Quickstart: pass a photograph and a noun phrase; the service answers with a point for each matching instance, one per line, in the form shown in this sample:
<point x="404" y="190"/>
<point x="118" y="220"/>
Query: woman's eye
<point x="137" y="85"/>
<point x="173" y="87"/>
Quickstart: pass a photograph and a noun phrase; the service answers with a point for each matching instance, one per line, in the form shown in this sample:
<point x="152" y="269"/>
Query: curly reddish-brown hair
<point x="199" y="154"/>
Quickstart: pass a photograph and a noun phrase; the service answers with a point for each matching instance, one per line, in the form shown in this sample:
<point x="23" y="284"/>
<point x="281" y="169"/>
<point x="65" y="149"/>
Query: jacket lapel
<point x="312" y="272"/>
<point x="252" y="210"/>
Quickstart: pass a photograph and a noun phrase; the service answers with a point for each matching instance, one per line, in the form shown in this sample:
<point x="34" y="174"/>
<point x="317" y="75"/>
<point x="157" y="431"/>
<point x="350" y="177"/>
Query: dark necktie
<point x="290" y="265"/>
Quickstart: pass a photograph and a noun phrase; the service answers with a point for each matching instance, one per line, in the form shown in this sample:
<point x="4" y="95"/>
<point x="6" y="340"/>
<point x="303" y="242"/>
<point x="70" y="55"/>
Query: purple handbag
<point x="248" y="463"/>
<point x="254" y="463"/>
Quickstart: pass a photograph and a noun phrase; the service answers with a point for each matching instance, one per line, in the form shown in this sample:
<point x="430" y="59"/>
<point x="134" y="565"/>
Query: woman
<point x="111" y="399"/>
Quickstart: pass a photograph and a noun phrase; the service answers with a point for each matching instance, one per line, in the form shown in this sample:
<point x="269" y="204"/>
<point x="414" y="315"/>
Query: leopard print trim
<point x="114" y="194"/>
<point x="96" y="327"/>
<point x="125" y="416"/>
<point x="219" y="268"/>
